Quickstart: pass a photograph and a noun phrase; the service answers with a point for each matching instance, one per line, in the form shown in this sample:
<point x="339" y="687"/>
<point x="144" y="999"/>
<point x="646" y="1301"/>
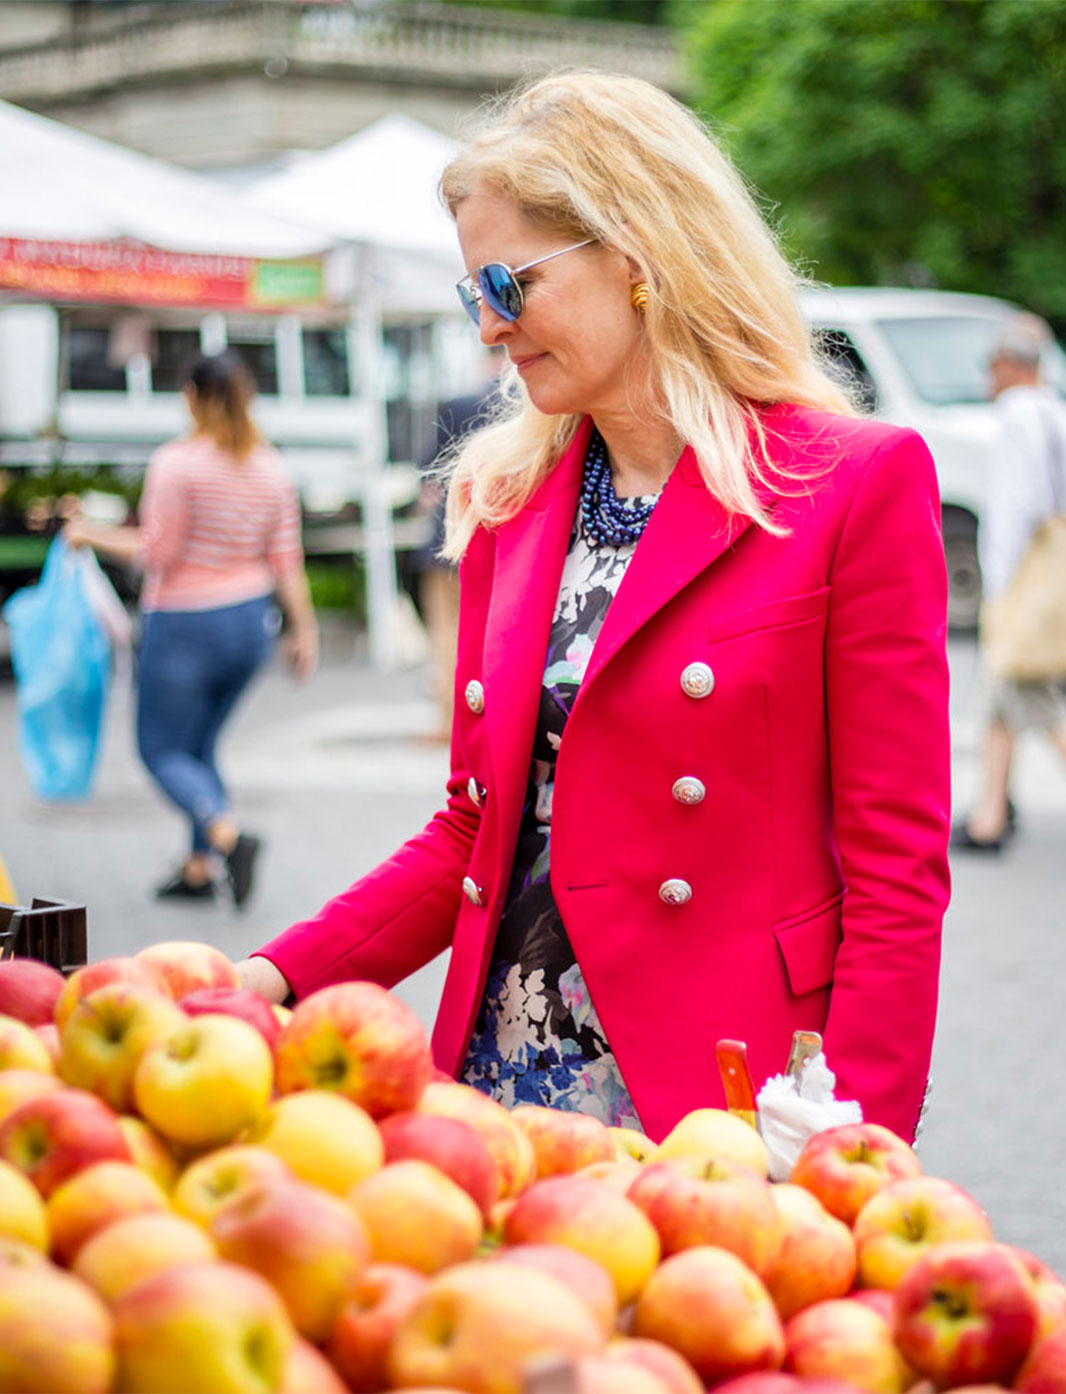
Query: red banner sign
<point x="134" y="274"/>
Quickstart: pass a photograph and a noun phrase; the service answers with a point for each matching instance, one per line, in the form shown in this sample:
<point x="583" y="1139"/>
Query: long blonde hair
<point x="589" y="154"/>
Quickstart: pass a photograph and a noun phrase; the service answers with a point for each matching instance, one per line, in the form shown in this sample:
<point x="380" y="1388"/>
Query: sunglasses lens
<point x="501" y="290"/>
<point x="469" y="300"/>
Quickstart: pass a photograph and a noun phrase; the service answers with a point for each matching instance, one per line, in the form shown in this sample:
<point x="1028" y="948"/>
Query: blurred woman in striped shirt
<point x="219" y="543"/>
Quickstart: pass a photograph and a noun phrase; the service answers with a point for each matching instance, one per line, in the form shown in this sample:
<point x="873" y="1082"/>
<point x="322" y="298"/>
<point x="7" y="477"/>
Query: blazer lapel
<point x="688" y="531"/>
<point x="530" y="551"/>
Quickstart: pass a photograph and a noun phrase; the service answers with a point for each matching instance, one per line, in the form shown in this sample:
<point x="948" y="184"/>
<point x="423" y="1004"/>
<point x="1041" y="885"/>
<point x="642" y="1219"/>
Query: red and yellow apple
<point x="21" y="1048"/>
<point x="449" y="1144"/>
<point x="28" y="990"/>
<point x="594" y="1374"/>
<point x="206" y="1082"/>
<point x="221" y="1176"/>
<point x="306" y="1242"/>
<point x="235" y="1001"/>
<point x="309" y="1372"/>
<point x="416" y="1215"/>
<point x="359" y="1040"/>
<point x="592" y="1218"/>
<point x="96" y="1197"/>
<point x="839" y="1339"/>
<point x="1044" y="1369"/>
<point x="670" y="1367"/>
<point x="710" y="1307"/>
<point x="22" y="1211"/>
<point x="184" y="966"/>
<point x="903" y="1220"/>
<point x="107" y="1032"/>
<point x="966" y="1313"/>
<point x="510" y="1148"/>
<point x="1049" y="1288"/>
<point x="16" y="1086"/>
<point x="105" y="970"/>
<point x="149" y="1151"/>
<point x="118" y="1257"/>
<point x="631" y="1142"/>
<point x="816" y="1260"/>
<point x="358" y="1344"/>
<point x="478" y="1325"/>
<point x="54" y="1135"/>
<point x="704" y="1200"/>
<point x="713" y="1132"/>
<point x="590" y="1280"/>
<point x="48" y="1035"/>
<point x="211" y="1326"/>
<point x="847" y="1165"/>
<point x="323" y="1138"/>
<point x="55" y="1333"/>
<point x="563" y="1140"/>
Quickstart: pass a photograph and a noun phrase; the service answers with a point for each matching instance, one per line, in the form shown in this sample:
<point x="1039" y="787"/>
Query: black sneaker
<point x="240" y="867"/>
<point x="177" y="888"/>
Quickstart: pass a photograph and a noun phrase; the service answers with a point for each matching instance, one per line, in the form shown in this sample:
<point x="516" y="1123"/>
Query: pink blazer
<point x="817" y="857"/>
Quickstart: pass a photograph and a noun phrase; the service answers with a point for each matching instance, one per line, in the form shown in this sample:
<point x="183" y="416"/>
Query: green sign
<point x="287" y="283"/>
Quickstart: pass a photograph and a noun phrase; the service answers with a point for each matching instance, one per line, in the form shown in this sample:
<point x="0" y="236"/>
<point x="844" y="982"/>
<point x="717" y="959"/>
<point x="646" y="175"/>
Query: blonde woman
<point x="219" y="540"/>
<point x="700" y="751"/>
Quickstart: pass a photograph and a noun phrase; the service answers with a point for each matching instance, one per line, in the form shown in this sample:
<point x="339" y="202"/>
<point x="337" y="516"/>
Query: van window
<point x="846" y="364"/>
<point x="945" y="358"/>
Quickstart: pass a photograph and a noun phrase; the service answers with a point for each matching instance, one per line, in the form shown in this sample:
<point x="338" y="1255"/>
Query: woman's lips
<point x="521" y="364"/>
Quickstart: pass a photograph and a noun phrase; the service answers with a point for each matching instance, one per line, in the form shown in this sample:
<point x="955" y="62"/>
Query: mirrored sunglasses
<point x="497" y="284"/>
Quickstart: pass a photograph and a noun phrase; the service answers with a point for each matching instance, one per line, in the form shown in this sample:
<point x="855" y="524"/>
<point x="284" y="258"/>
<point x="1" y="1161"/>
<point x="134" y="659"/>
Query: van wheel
<point x="964" y="571"/>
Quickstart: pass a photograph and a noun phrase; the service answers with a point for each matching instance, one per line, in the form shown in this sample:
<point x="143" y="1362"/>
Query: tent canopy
<point x="61" y="184"/>
<point x="378" y="188"/>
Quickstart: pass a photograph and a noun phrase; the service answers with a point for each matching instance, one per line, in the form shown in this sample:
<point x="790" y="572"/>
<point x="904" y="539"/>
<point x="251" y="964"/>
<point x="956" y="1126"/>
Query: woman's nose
<point x="492" y="327"/>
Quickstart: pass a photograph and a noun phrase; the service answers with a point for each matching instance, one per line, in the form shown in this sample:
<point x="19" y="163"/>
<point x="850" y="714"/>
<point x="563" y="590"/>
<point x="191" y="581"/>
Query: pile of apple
<point x="201" y="1192"/>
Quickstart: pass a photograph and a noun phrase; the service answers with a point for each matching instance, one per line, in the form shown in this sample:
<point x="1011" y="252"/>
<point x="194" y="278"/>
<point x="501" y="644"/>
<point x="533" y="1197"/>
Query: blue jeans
<point x="193" y="666"/>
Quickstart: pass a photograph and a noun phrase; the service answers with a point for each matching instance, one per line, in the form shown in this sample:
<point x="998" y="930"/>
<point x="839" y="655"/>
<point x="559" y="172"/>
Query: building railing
<point x="405" y="43"/>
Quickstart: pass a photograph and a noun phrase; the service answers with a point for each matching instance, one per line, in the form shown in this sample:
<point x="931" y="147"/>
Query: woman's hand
<point x="76" y="533"/>
<point x="261" y="976"/>
<point x="299" y="650"/>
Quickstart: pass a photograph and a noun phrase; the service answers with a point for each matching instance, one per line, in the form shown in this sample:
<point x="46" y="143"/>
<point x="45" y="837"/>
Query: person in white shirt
<point x="1028" y="485"/>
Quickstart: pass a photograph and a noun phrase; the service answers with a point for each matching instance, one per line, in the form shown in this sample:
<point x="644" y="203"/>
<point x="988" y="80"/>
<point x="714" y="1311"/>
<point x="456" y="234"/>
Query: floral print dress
<point x="537" y="1038"/>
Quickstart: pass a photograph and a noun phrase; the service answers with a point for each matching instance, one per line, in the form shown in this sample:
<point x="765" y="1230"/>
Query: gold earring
<point x="640" y="295"/>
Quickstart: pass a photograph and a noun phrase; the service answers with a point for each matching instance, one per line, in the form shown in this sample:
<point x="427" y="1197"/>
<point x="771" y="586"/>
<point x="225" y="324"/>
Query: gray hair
<point x="1022" y="340"/>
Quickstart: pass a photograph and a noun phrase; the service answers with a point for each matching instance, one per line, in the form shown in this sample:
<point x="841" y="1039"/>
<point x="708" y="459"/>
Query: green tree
<point x="903" y="141"/>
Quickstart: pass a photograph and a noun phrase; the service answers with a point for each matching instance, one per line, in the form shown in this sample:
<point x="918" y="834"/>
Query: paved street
<point x="336" y="774"/>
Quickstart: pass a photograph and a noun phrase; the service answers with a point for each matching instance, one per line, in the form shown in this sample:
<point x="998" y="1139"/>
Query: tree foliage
<point x="904" y="141"/>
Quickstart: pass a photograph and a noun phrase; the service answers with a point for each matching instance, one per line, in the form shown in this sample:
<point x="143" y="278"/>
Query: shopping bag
<point x="1023" y="633"/>
<point x="61" y="656"/>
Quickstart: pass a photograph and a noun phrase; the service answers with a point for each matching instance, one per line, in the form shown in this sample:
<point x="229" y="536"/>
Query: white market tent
<point x="78" y="213"/>
<point x="62" y="184"/>
<point x="378" y="188"/>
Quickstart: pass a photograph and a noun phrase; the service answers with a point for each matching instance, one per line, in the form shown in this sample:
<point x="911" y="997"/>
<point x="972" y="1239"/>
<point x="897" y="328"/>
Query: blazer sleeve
<point x="392" y="921"/>
<point x="890" y="770"/>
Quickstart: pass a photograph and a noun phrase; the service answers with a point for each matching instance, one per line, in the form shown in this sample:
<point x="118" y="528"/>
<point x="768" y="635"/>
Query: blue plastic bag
<point x="61" y="654"/>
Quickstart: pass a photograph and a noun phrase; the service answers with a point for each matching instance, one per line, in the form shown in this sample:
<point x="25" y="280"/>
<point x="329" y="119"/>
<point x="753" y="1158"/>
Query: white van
<point x="920" y="359"/>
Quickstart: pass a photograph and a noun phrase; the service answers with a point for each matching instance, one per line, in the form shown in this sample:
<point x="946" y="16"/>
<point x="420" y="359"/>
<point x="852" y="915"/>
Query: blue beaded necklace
<point x="608" y="520"/>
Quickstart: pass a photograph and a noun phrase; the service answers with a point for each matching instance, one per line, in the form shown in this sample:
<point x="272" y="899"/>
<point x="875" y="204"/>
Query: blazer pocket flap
<point x="808" y="945"/>
<point x="796" y="609"/>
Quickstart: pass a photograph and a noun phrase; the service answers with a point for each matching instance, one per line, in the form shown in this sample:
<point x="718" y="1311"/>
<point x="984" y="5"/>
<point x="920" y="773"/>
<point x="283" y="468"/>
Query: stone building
<point x="228" y="85"/>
